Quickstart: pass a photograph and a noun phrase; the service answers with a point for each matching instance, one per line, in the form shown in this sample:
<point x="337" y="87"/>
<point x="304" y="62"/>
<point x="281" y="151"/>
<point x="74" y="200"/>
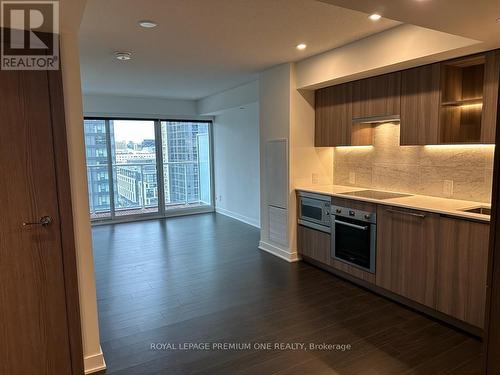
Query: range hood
<point x="376" y="119"/>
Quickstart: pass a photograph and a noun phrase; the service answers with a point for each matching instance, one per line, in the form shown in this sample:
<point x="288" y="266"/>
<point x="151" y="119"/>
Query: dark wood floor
<point x="201" y="278"/>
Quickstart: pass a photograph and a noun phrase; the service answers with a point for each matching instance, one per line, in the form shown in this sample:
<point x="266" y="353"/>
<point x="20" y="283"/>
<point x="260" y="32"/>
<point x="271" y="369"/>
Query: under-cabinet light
<point x="353" y="147"/>
<point x="458" y="145"/>
<point x="472" y="106"/>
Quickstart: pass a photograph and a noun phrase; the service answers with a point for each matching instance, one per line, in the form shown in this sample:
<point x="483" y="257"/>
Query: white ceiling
<point x="476" y="19"/>
<point x="202" y="47"/>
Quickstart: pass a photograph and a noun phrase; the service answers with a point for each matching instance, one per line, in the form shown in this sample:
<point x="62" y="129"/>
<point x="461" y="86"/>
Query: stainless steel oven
<point x="314" y="211"/>
<point x="353" y="238"/>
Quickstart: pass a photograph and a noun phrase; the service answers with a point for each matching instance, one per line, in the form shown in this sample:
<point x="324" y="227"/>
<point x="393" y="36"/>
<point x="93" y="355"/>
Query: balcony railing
<point x="136" y="188"/>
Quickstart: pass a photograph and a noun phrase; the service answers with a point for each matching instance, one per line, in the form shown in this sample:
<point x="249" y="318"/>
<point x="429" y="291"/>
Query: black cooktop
<point x="376" y="194"/>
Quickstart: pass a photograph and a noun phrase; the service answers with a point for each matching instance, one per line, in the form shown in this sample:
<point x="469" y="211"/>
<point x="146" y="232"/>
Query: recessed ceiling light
<point x="123" y="56"/>
<point x="147" y="24"/>
<point x="375" y="17"/>
<point x="301" y="46"/>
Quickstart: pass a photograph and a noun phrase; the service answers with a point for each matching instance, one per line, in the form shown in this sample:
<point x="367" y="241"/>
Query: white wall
<point x="236" y="163"/>
<point x="232" y="98"/>
<point x="274" y="122"/>
<point x="308" y="164"/>
<point x="398" y="48"/>
<point x="93" y="357"/>
<point x="140" y="107"/>
<point x="287" y="113"/>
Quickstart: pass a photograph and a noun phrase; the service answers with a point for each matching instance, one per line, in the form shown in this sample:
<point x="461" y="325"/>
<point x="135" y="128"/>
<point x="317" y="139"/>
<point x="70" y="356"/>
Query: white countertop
<point x="444" y="206"/>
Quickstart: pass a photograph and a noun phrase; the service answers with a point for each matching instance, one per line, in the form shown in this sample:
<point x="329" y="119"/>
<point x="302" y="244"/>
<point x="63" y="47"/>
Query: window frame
<point x="162" y="211"/>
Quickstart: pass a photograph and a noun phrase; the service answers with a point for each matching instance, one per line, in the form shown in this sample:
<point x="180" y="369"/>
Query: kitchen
<point x="407" y="213"/>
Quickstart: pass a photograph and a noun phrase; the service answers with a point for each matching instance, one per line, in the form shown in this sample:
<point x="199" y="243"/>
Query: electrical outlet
<point x="448" y="188"/>
<point x="220" y="198"/>
<point x="315" y="178"/>
<point x="352" y="178"/>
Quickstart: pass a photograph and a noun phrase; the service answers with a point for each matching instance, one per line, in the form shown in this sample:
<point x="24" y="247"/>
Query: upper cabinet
<point x="490" y="92"/>
<point x="376" y="96"/>
<point x="462" y="95"/>
<point x="420" y="100"/>
<point x="333" y="116"/>
<point x="451" y="102"/>
<point x="342" y="110"/>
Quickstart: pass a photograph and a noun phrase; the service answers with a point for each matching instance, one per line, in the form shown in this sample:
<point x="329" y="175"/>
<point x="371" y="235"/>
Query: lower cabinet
<point x="316" y="245"/>
<point x="406" y="253"/>
<point x="462" y="262"/>
<point x="313" y="244"/>
<point x="438" y="261"/>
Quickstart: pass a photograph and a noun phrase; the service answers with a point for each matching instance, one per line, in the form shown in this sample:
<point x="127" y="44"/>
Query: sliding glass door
<point x="140" y="168"/>
<point x="133" y="153"/>
<point x="186" y="152"/>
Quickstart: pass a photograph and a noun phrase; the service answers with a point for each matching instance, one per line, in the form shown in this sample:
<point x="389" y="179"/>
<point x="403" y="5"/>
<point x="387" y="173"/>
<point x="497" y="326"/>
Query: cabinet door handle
<point x="421" y="216"/>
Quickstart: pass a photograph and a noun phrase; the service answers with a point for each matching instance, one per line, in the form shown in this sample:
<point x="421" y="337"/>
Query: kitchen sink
<point x="478" y="210"/>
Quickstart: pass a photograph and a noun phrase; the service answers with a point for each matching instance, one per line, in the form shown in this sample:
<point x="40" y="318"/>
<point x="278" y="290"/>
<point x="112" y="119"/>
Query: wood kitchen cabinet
<point x="469" y="91"/>
<point x="420" y="101"/>
<point x="406" y="253"/>
<point x="450" y="102"/>
<point x="333" y="116"/>
<point x="462" y="261"/>
<point x="313" y="244"/>
<point x="490" y="101"/>
<point x="435" y="260"/>
<point x="376" y="96"/>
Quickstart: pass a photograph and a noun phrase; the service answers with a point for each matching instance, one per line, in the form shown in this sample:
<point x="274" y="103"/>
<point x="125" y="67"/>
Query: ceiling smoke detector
<point x="123" y="56"/>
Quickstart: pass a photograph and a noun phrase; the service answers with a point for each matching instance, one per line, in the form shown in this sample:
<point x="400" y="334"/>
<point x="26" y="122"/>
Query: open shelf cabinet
<point x="462" y="91"/>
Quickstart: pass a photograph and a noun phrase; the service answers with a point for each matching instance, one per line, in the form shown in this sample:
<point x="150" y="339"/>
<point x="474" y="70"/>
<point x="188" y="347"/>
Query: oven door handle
<point x="351" y="225"/>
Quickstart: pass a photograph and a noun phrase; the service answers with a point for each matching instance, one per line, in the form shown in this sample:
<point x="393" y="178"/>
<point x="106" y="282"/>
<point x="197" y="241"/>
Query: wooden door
<point x="313" y="244"/>
<point x="420" y="101"/>
<point x="35" y="336"/>
<point x="377" y="96"/>
<point x="406" y="253"/>
<point x="333" y="116"/>
<point x="492" y="322"/>
<point x="462" y="264"/>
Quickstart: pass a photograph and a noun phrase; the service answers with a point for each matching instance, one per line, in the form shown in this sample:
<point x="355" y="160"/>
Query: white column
<point x="93" y="357"/>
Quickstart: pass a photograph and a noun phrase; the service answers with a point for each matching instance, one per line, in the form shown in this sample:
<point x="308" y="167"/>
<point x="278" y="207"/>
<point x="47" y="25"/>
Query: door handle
<point x="44" y="221"/>
<point x="351" y="225"/>
<point x="421" y="216"/>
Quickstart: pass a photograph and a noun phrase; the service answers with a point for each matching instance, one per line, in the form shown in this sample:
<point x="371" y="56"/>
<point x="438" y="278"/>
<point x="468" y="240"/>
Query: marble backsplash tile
<point x="416" y="169"/>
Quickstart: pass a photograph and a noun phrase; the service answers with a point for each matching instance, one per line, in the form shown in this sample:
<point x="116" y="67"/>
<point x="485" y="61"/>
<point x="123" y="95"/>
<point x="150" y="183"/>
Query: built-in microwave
<point x="314" y="211"/>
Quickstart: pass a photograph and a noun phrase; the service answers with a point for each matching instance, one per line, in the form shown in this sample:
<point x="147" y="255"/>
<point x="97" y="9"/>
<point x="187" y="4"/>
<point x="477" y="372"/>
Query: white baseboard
<point x="94" y="363"/>
<point x="234" y="215"/>
<point x="279" y="252"/>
